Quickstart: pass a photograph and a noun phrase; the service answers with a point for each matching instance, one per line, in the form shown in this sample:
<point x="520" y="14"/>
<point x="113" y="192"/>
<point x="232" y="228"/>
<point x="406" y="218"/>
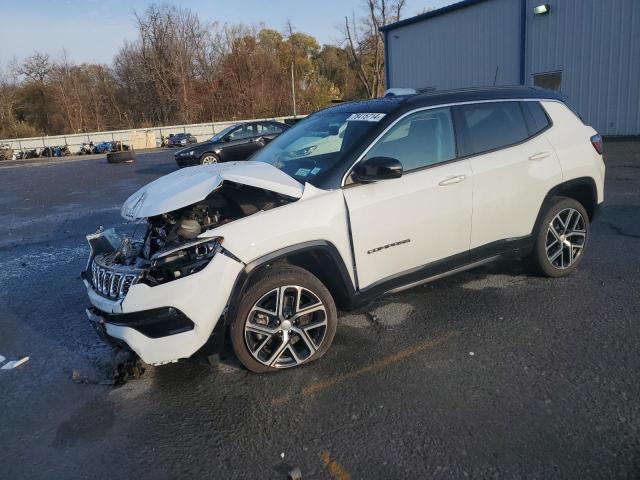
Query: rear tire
<point x="561" y="238"/>
<point x="286" y="318"/>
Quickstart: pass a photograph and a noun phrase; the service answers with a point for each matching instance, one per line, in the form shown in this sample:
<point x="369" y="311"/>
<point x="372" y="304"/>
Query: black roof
<point x="443" y="97"/>
<point x="373" y="105"/>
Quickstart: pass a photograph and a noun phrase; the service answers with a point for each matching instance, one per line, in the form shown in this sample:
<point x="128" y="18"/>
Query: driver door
<point x="400" y="225"/>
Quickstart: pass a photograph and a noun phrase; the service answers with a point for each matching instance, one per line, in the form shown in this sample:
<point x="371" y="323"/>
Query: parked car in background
<point x="414" y="187"/>
<point x="56" y="151"/>
<point x="86" y="149"/>
<point x="102" y="147"/>
<point x="181" y="139"/>
<point x="237" y="142"/>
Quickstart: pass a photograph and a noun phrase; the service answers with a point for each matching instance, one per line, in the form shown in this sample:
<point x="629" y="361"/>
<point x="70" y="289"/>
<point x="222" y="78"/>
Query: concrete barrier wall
<point x="152" y="136"/>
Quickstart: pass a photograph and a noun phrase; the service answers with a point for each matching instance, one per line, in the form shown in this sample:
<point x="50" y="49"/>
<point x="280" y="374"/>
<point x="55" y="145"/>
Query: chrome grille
<point x="111" y="282"/>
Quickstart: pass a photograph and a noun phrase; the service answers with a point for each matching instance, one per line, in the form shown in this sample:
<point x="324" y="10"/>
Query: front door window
<point x="420" y="140"/>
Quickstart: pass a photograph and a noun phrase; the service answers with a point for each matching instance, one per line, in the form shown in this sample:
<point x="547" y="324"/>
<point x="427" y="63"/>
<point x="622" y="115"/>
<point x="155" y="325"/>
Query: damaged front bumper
<point x="166" y="322"/>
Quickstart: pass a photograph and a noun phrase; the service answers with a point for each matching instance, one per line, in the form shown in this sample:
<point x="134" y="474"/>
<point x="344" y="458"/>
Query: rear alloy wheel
<point x="208" y="159"/>
<point x="561" y="238"/>
<point x="566" y="237"/>
<point x="289" y="318"/>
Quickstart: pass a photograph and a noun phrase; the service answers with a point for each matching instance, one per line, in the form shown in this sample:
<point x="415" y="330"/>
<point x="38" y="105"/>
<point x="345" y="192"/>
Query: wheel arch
<point x="582" y="190"/>
<point x="320" y="257"/>
<point x="209" y="152"/>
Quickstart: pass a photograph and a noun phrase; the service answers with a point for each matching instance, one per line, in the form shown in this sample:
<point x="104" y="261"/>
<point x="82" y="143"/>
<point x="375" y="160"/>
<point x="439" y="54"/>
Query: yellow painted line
<point x="373" y="367"/>
<point x="335" y="469"/>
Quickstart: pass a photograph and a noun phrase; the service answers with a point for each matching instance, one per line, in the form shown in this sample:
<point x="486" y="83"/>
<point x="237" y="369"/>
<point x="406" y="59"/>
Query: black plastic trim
<point x="568" y="185"/>
<point x="155" y="323"/>
<point x="518" y="246"/>
<point x="341" y="285"/>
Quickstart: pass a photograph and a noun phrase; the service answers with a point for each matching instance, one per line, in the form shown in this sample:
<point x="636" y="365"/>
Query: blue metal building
<point x="589" y="50"/>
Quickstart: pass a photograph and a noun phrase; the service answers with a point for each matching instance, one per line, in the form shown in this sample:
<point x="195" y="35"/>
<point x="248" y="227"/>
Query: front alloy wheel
<point x="209" y="159"/>
<point x="286" y="326"/>
<point x="285" y="318"/>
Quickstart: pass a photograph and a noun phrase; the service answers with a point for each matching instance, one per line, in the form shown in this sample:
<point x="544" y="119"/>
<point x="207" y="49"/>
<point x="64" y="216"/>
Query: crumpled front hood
<point x="190" y="185"/>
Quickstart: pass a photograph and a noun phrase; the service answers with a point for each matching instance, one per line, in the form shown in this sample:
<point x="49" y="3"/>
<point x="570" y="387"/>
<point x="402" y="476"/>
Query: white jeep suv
<point x="354" y="201"/>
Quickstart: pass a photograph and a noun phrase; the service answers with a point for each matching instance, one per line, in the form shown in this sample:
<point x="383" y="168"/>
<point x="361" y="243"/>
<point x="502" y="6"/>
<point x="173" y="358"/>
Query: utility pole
<point x="293" y="91"/>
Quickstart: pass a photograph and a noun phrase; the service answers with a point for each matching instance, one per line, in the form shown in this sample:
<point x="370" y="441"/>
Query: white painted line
<point x="14" y="363"/>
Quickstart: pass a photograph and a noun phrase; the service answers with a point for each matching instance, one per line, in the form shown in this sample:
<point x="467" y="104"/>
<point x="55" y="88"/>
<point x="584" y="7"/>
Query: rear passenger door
<point x="513" y="165"/>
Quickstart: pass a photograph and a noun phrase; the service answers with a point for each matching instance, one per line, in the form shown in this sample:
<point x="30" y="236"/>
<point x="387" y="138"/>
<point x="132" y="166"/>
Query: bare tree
<point x="365" y="42"/>
<point x="182" y="70"/>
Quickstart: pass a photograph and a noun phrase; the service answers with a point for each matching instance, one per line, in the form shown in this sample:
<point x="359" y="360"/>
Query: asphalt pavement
<point x="493" y="373"/>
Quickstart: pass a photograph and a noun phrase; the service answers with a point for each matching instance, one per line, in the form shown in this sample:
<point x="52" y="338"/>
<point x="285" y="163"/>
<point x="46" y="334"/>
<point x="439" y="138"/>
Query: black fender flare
<point x="333" y="273"/>
<point x="561" y="189"/>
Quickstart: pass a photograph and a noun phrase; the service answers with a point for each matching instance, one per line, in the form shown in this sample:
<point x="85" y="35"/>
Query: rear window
<point x="488" y="126"/>
<point x="537" y="119"/>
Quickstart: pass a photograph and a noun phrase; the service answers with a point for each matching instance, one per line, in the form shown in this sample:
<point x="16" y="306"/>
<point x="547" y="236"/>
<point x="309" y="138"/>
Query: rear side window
<point x="269" y="128"/>
<point x="535" y="116"/>
<point x="245" y="131"/>
<point x="488" y="126"/>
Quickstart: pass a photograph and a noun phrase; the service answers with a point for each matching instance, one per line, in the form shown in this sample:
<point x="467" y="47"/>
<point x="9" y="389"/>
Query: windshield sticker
<point x="302" y="172"/>
<point x="365" y="117"/>
<point x="315" y="171"/>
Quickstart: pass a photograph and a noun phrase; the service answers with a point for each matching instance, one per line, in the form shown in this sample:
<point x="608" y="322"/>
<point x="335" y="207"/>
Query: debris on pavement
<point x="78" y="377"/>
<point x="125" y="366"/>
<point x="13" y="363"/>
<point x="295" y="474"/>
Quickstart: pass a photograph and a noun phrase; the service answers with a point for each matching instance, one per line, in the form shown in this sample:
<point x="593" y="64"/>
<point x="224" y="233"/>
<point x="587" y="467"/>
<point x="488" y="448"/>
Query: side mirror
<point x="377" y="168"/>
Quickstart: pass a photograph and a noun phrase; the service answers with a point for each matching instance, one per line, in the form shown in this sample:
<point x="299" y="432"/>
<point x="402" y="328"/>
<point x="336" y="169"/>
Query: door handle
<point x="451" y="180"/>
<point x="538" y="156"/>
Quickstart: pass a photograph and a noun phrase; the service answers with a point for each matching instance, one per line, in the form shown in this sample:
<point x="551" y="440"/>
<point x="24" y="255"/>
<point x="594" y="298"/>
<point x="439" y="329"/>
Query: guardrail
<point x="137" y="138"/>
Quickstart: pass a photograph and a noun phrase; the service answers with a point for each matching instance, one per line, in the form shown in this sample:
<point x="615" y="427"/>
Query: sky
<point x="94" y="30"/>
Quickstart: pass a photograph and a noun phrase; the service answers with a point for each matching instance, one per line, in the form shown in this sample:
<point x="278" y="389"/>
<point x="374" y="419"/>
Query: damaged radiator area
<point x="170" y="247"/>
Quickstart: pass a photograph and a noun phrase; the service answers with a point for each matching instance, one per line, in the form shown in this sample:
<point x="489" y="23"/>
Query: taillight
<point x="596" y="141"/>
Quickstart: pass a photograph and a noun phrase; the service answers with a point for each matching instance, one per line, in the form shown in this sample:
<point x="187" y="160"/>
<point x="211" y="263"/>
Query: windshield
<point x="317" y="143"/>
<point x="220" y="135"/>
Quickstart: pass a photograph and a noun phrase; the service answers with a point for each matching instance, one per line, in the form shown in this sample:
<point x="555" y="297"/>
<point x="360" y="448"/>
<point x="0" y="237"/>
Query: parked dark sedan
<point x="181" y="139"/>
<point x="236" y="142"/>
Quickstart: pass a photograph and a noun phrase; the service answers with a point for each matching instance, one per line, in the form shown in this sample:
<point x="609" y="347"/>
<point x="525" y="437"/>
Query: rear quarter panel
<point x="571" y="140"/>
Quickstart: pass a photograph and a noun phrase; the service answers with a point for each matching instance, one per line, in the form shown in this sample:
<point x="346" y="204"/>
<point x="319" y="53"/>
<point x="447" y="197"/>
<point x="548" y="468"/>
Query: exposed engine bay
<point x="170" y="247"/>
<point x="230" y="202"/>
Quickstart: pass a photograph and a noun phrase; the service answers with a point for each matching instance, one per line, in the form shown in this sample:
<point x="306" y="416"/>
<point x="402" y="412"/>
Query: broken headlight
<point x="181" y="261"/>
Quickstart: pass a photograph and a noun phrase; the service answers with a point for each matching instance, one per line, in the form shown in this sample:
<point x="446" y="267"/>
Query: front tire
<point x="209" y="159"/>
<point x="561" y="238"/>
<point x="286" y="318"/>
